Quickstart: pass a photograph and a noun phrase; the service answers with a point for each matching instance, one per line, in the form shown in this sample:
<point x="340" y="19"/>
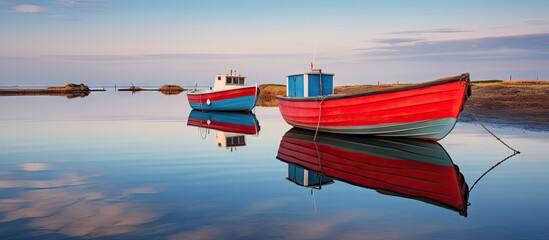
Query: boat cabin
<point x="228" y="81"/>
<point x="306" y="178"/>
<point x="310" y="84"/>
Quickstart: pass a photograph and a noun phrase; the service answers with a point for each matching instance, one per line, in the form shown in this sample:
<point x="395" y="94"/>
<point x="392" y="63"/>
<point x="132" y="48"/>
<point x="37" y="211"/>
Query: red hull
<point x="361" y="113"/>
<point x="411" y="172"/>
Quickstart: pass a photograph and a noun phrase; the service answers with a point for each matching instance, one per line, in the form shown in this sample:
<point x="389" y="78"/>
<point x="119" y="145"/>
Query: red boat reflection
<point x="415" y="169"/>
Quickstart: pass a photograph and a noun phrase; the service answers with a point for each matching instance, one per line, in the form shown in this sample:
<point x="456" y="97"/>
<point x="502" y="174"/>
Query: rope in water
<point x="494" y="135"/>
<point x="319" y="159"/>
<point x="321" y="173"/>
<point x="203" y="132"/>
<point x="515" y="152"/>
<point x="497" y="164"/>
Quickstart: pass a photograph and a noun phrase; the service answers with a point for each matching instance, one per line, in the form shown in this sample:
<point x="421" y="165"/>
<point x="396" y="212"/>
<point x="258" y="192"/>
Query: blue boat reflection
<point x="231" y="127"/>
<point x="414" y="169"/>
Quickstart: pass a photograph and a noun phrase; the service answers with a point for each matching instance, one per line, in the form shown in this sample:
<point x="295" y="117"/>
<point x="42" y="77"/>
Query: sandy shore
<point x="524" y="105"/>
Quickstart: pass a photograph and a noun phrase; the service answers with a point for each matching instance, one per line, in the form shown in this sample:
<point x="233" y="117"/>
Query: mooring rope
<point x="515" y="152"/>
<point x="319" y="115"/>
<point x="497" y="164"/>
<point x="494" y="135"/>
<point x="203" y="132"/>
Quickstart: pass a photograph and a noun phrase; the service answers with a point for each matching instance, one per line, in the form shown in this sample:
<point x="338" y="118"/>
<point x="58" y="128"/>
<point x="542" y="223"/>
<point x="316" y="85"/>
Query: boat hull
<point x="239" y="99"/>
<point x="426" y="111"/>
<point x="415" y="169"/>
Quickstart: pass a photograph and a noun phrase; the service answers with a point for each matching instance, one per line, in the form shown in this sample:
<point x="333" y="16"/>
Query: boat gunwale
<point x="440" y="81"/>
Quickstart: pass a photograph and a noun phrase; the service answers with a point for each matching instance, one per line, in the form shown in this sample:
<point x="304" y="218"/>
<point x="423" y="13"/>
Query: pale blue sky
<point x="101" y="42"/>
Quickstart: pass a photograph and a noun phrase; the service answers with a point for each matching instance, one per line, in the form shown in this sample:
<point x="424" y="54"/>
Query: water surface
<point x="117" y="165"/>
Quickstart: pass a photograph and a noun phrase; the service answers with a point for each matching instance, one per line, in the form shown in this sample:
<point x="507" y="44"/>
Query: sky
<point x="103" y="42"/>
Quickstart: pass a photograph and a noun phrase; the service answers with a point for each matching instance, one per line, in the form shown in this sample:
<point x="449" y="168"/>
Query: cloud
<point x="69" y="180"/>
<point x="35" y="166"/>
<point x="65" y="17"/>
<point x="398" y="40"/>
<point x="169" y="56"/>
<point x="71" y="206"/>
<point x="29" y="8"/>
<point x="537" y="22"/>
<point x="86" y="5"/>
<point x="201" y="233"/>
<point x="432" y="30"/>
<point x="527" y="46"/>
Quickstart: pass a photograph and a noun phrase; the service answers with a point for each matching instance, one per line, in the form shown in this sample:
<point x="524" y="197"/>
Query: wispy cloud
<point x="398" y="40"/>
<point x="65" y="17"/>
<point x="537" y="22"/>
<point x="85" y="5"/>
<point x="27" y="8"/>
<point x="528" y="46"/>
<point x="60" y="9"/>
<point x="432" y="30"/>
<point x="168" y="56"/>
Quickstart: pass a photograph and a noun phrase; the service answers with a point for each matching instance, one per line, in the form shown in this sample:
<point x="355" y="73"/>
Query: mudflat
<point x="524" y="105"/>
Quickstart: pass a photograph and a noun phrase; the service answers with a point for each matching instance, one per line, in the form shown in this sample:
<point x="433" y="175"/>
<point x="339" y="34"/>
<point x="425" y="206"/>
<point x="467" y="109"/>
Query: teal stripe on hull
<point x="430" y="129"/>
<point x="234" y="104"/>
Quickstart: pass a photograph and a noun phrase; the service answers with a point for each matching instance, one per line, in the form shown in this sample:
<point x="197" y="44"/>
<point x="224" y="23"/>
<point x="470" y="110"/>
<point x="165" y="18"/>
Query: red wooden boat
<point x="427" y="110"/>
<point x="415" y="169"/>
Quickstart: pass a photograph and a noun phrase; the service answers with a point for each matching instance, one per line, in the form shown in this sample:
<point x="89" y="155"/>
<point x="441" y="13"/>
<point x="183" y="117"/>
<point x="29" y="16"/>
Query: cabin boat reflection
<point x="230" y="128"/>
<point x="225" y="139"/>
<point x="415" y="169"/>
<point x="307" y="178"/>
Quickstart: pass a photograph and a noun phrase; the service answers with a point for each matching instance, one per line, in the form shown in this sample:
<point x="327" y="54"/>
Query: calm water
<point x="116" y="165"/>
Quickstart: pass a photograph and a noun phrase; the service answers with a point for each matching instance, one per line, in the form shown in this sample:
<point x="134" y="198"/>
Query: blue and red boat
<point x="229" y="93"/>
<point x="409" y="168"/>
<point x="426" y="110"/>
